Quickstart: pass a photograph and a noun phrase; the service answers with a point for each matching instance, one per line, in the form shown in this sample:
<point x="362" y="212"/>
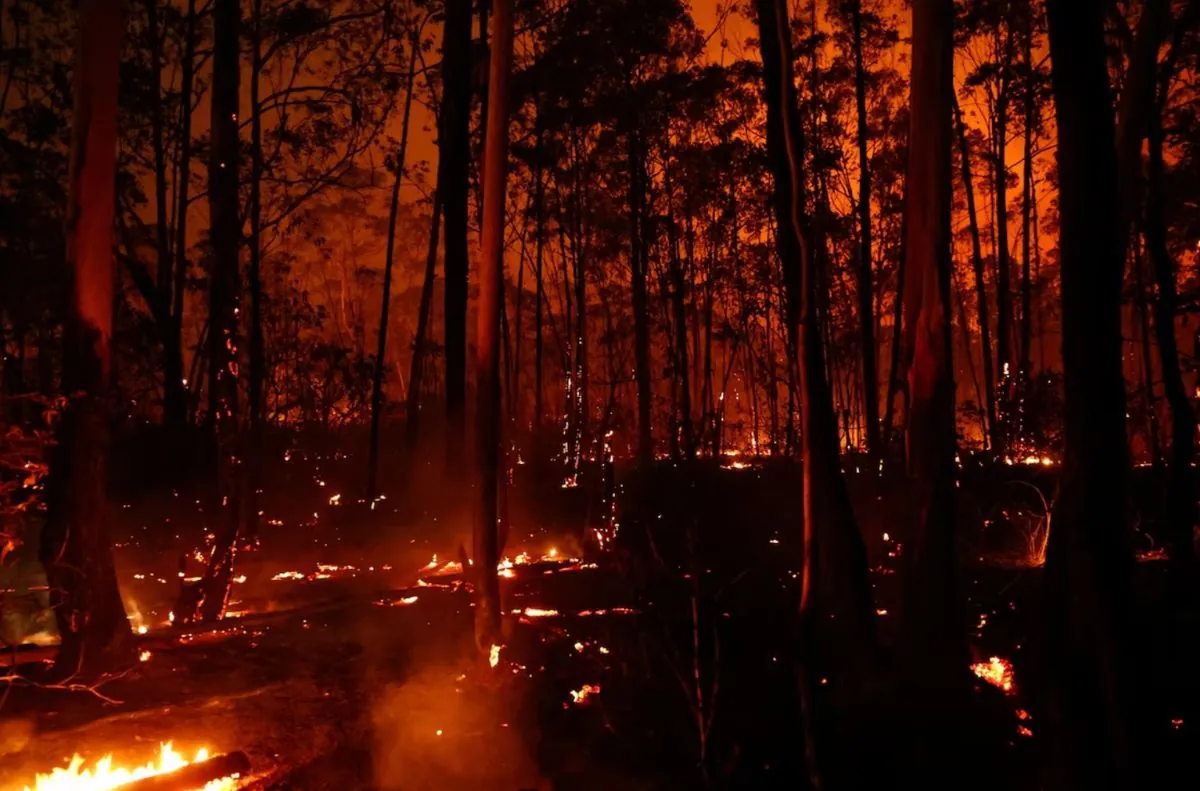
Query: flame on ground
<point x="494" y="655"/>
<point x="997" y="672"/>
<point x="585" y="692"/>
<point x="104" y="776"/>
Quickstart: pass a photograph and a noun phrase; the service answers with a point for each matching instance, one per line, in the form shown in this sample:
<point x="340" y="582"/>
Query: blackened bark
<point x="985" y="327"/>
<point x="1089" y="563"/>
<point x="416" y="373"/>
<point x="175" y="395"/>
<point x="863" y="270"/>
<point x="258" y="363"/>
<point x="74" y="544"/>
<point x="641" y="321"/>
<point x="836" y="612"/>
<point x="453" y="161"/>
<point x="1004" y="313"/>
<point x="1026" y="328"/>
<point x="679" y="313"/>
<point x="932" y="635"/>
<point x="1181" y="487"/>
<point x="539" y="198"/>
<point x="386" y="297"/>
<point x="487" y="372"/>
<point x="206" y="599"/>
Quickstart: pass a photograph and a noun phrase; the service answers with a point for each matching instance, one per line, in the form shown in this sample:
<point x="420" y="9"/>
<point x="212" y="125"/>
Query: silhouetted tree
<point x="75" y="548"/>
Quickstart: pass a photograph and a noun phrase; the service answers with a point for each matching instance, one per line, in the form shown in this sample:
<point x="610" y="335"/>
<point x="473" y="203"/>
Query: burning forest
<point x="433" y="395"/>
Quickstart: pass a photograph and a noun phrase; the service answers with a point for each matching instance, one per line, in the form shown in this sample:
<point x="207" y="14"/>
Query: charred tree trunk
<point x="453" y="162"/>
<point x="258" y="364"/>
<point x="897" y="342"/>
<point x="175" y="402"/>
<point x="416" y="373"/>
<point x="1181" y="487"/>
<point x="386" y="297"/>
<point x="206" y="599"/>
<point x="679" y="313"/>
<point x="1023" y="368"/>
<point x="641" y="319"/>
<point x="836" y="612"/>
<point x="487" y="371"/>
<point x="863" y="272"/>
<point x="985" y="331"/>
<point x="1004" y="312"/>
<point x="539" y="198"/>
<point x="932" y="637"/>
<point x="174" y="395"/>
<point x="1089" y="563"/>
<point x="75" y="548"/>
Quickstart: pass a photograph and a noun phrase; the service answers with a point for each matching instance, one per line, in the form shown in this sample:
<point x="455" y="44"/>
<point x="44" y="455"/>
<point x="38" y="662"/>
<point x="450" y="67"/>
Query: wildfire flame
<point x="494" y="655"/>
<point x="582" y="694"/>
<point x="104" y="776"/>
<point x="997" y="672"/>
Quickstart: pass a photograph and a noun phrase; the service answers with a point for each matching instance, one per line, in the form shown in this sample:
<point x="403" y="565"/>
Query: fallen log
<point x="195" y="776"/>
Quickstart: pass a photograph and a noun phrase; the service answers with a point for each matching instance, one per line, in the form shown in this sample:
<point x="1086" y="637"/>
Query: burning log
<point x="196" y="775"/>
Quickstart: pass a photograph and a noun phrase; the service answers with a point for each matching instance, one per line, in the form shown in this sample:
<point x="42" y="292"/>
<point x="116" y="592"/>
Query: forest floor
<point x="666" y="663"/>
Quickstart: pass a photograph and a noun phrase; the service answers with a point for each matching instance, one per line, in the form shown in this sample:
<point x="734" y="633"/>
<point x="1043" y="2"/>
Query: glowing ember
<point x="104" y="776"/>
<point x="494" y="655"/>
<point x="537" y="612"/>
<point x="287" y="575"/>
<point x="585" y="692"/>
<point x="144" y="656"/>
<point x="997" y="672"/>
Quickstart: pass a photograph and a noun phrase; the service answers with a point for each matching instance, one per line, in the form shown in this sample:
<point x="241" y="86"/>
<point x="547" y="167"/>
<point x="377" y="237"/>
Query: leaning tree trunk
<point x="1089" y="563"/>
<point x="985" y="331"/>
<point x="206" y="599"/>
<point x="386" y="297"/>
<point x="486" y="526"/>
<point x="75" y="549"/>
<point x="932" y="638"/>
<point x="836" y="610"/>
<point x="453" y="160"/>
<point x="416" y="372"/>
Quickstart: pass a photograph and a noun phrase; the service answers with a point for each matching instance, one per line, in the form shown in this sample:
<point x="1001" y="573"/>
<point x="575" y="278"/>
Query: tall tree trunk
<point x="985" y="331"/>
<point x="932" y="635"/>
<point x="863" y="271"/>
<point x="174" y="399"/>
<point x="386" y="297"/>
<point x="897" y="340"/>
<point x="1005" y="362"/>
<point x="258" y="363"/>
<point x="487" y="370"/>
<point x="641" y="321"/>
<point x="453" y="161"/>
<point x="581" y="345"/>
<point x="836" y="611"/>
<point x="206" y="599"/>
<point x="416" y="373"/>
<point x="1030" y="121"/>
<point x="1142" y="308"/>
<point x="175" y="395"/>
<point x="1089" y="563"/>
<point x="1181" y="486"/>
<point x="539" y="199"/>
<point x="679" y="313"/>
<point x="74" y="545"/>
